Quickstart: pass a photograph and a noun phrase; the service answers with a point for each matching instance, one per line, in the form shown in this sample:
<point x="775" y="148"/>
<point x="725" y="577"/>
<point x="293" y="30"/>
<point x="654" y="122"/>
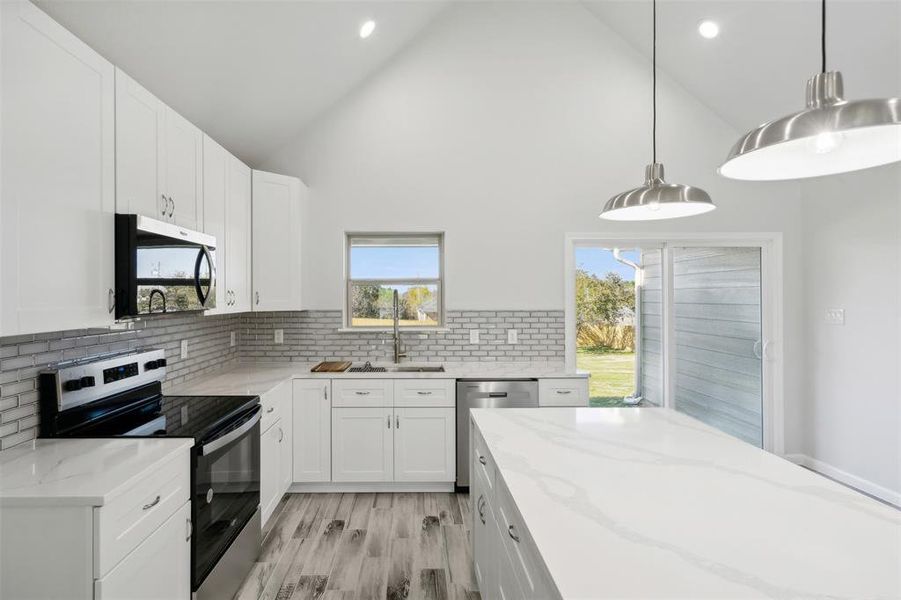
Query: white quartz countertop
<point x="57" y="472"/>
<point x="649" y="503"/>
<point x="259" y="378"/>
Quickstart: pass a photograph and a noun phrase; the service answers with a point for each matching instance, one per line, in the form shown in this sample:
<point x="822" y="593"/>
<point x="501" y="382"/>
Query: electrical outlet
<point x="279" y="336"/>
<point x="232" y="339"/>
<point x="184" y="415"/>
<point x="473" y="336"/>
<point x="835" y="316"/>
<point x="184" y="349"/>
<point x="512" y="336"/>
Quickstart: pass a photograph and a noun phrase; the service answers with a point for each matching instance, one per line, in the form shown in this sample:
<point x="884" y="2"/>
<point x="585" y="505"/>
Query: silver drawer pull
<point x="152" y="504"/>
<point x="483" y="460"/>
<point x="481" y="506"/>
<point x="270" y="409"/>
<point x="513" y="536"/>
<point x="424" y="393"/>
<point x="564" y="391"/>
<point x="362" y="393"/>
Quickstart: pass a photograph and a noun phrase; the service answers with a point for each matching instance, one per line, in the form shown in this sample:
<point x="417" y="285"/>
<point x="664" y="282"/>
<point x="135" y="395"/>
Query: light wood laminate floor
<point x="366" y="546"/>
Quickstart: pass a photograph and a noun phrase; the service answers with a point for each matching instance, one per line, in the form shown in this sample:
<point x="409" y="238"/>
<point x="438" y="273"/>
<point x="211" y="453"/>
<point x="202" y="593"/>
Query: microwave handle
<point x="231" y="436"/>
<point x="205" y="252"/>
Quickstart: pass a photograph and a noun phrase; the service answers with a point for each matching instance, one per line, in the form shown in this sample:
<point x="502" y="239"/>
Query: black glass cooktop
<point x="199" y="416"/>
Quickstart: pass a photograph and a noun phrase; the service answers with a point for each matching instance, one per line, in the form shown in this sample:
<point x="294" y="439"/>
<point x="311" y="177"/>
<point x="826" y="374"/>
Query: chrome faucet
<point x="397" y="346"/>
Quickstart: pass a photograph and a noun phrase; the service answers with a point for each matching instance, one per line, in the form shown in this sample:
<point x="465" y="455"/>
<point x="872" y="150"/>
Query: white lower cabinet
<point x="424" y="444"/>
<point x="272" y="442"/>
<point x="312" y="431"/>
<point x="160" y="567"/>
<point x="362" y="444"/>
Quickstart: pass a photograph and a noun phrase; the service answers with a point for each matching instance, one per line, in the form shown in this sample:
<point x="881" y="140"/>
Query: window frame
<point x="347" y="321"/>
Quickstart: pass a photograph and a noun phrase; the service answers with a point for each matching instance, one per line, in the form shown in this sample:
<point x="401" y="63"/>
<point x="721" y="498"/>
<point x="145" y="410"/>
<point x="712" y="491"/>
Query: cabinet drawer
<point x="528" y="568"/>
<point x="363" y="392"/>
<point x="425" y="392"/>
<point x="126" y="521"/>
<point x="482" y="463"/>
<point x="572" y="391"/>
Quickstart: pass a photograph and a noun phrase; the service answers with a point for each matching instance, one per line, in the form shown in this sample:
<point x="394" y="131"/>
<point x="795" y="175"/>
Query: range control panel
<point x="82" y="381"/>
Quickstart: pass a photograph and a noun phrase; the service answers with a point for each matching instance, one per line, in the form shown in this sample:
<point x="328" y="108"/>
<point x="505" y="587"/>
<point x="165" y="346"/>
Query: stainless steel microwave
<point x="162" y="268"/>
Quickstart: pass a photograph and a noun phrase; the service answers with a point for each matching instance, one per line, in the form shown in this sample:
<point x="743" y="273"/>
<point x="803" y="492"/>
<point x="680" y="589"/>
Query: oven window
<point x="226" y="495"/>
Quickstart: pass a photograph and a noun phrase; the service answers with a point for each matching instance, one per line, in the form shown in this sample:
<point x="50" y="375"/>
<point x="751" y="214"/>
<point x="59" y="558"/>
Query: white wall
<point x="851" y="261"/>
<point x="507" y="125"/>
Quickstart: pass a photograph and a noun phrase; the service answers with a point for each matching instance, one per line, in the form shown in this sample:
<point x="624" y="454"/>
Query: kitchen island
<point x="649" y="503"/>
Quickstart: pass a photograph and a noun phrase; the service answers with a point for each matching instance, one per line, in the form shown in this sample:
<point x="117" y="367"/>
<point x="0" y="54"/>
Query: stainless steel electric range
<point x="120" y="395"/>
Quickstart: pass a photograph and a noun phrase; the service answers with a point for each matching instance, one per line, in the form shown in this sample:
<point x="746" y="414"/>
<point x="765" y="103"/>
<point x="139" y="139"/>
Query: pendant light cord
<point x="823" y="35"/>
<point x="654" y="84"/>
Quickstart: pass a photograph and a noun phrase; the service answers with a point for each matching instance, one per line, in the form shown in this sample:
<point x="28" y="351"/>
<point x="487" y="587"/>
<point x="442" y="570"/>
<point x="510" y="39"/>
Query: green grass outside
<point x="612" y="375"/>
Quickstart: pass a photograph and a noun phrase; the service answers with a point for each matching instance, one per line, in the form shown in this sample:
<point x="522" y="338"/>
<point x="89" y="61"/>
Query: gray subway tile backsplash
<point x="308" y="336"/>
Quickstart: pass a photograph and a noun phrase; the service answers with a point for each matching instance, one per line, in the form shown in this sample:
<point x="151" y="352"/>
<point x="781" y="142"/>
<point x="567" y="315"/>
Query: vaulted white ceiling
<point x="255" y="73"/>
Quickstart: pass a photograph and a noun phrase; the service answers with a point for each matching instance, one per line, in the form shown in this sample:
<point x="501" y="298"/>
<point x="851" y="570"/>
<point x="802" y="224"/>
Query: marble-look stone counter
<point x="649" y="503"/>
<point x="259" y="378"/>
<point x="87" y="472"/>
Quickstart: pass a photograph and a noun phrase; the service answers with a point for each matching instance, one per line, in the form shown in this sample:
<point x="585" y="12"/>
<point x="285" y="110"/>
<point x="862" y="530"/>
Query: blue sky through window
<point x="394" y="262"/>
<point x="600" y="261"/>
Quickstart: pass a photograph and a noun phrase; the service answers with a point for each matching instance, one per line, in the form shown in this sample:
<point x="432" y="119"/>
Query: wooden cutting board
<point x="331" y="367"/>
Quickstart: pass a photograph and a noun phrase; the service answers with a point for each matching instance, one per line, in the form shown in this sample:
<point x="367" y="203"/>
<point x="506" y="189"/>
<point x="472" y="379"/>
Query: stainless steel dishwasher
<point x="479" y="393"/>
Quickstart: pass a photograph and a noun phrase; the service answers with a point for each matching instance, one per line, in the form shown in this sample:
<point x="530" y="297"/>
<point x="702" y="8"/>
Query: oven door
<point x="162" y="268"/>
<point x="226" y="490"/>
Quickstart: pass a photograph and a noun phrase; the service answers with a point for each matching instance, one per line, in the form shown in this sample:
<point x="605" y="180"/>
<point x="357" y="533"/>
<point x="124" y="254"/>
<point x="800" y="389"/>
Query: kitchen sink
<point x="419" y="369"/>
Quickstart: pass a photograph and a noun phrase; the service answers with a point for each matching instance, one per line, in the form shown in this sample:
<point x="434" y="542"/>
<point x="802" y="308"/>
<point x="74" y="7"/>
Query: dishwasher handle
<point x="497" y="394"/>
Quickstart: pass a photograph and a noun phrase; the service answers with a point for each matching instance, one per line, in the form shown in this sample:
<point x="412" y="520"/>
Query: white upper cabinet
<point x="183" y="170"/>
<point x="159" y="158"/>
<point x="57" y="145"/>
<point x="276" y="241"/>
<point x="215" y="183"/>
<point x="140" y="118"/>
<point x="237" y="235"/>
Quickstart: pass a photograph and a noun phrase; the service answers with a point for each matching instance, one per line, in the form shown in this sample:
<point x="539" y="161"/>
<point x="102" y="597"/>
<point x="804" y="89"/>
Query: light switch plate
<point x="232" y="339"/>
<point x="835" y="316"/>
<point x="184" y="349"/>
<point x="279" y="336"/>
<point x="512" y="336"/>
<point x="473" y="336"/>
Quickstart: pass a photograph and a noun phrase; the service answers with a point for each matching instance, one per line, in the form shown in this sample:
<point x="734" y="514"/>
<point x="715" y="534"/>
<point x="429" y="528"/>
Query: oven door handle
<point x="231" y="436"/>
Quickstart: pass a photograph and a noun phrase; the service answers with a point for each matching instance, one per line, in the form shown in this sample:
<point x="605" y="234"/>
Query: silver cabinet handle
<point x="396" y="422"/>
<point x="481" y="507"/>
<point x="258" y="297"/>
<point x="424" y="393"/>
<point x="171" y="206"/>
<point x="165" y="204"/>
<point x="190" y="531"/>
<point x="389" y="421"/>
<point x="325" y="392"/>
<point x="361" y="393"/>
<point x="513" y="536"/>
<point x="234" y="297"/>
<point x="281" y="435"/>
<point x="483" y="460"/>
<point x="112" y="300"/>
<point x="270" y="409"/>
<point x="564" y="391"/>
<point x="152" y="504"/>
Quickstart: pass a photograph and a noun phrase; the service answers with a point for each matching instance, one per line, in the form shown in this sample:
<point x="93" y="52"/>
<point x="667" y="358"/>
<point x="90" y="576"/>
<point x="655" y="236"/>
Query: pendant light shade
<point x="656" y="199"/>
<point x="832" y="135"/>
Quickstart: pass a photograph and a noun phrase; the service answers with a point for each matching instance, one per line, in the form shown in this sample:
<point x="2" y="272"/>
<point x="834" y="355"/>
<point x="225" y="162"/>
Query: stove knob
<point x="87" y="381"/>
<point x="151" y="365"/>
<point x="73" y="385"/>
<point x="161" y="362"/>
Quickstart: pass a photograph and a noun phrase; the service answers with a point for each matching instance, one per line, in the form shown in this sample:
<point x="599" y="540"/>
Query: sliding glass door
<point x="717" y="338"/>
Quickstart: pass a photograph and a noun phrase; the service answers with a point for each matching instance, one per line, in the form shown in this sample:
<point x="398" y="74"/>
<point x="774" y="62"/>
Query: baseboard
<point x="360" y="488"/>
<point x="843" y="477"/>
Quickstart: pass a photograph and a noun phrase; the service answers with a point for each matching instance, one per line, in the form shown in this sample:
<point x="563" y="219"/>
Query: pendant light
<point x="832" y="135"/>
<point x="657" y="199"/>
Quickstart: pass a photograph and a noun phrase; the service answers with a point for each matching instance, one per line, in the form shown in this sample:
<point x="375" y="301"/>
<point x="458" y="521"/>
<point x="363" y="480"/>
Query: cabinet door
<point x="424" y="444"/>
<point x="140" y="118"/>
<point x="312" y="430"/>
<point x="286" y="441"/>
<point x="276" y="242"/>
<point x="183" y="170"/>
<point x="57" y="147"/>
<point x="362" y="444"/>
<point x="484" y="540"/>
<point x="160" y="567"/>
<point x="270" y="469"/>
<point x="215" y="184"/>
<point x="237" y="238"/>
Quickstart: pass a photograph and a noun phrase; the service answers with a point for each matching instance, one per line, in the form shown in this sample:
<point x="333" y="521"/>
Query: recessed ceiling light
<point x="708" y="29"/>
<point x="366" y="29"/>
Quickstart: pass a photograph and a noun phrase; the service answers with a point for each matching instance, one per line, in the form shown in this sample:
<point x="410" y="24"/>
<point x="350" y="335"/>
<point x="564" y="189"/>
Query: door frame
<point x="771" y="308"/>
